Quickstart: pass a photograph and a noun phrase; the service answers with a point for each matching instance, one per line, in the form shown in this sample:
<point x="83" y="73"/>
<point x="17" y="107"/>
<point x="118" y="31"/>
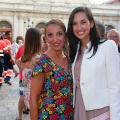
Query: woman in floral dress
<point x="51" y="85"/>
<point x="32" y="49"/>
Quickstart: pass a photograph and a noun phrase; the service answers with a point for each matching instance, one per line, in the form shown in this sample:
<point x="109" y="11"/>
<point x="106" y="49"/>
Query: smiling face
<point x="81" y="27"/>
<point x="55" y="37"/>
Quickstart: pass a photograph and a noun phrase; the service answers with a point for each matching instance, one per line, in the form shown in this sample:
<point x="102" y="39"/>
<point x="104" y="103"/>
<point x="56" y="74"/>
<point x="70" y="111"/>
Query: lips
<point x="56" y="44"/>
<point x="80" y="33"/>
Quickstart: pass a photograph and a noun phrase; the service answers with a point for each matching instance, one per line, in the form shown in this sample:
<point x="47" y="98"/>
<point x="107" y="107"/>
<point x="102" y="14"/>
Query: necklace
<point x="61" y="56"/>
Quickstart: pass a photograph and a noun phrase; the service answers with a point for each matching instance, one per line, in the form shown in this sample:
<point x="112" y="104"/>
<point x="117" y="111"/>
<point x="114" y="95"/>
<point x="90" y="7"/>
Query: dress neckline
<point x="58" y="64"/>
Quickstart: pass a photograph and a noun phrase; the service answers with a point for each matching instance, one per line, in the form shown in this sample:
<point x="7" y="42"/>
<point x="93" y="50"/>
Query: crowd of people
<point x="66" y="74"/>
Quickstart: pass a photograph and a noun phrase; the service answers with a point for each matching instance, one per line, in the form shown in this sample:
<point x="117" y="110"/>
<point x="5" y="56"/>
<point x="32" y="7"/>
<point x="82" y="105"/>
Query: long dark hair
<point x="32" y="44"/>
<point x="73" y="40"/>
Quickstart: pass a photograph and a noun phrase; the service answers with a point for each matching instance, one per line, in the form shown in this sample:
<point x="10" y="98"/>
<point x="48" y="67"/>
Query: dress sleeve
<point x="39" y="66"/>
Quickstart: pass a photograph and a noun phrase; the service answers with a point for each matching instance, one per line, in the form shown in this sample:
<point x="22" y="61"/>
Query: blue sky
<point x="98" y="1"/>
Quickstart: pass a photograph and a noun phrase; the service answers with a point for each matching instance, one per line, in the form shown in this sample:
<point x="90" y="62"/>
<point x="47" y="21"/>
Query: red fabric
<point x="5" y="72"/>
<point x="2" y="44"/>
<point x="9" y="73"/>
<point x="19" y="52"/>
<point x="0" y="79"/>
<point x="8" y="43"/>
<point x="19" y="55"/>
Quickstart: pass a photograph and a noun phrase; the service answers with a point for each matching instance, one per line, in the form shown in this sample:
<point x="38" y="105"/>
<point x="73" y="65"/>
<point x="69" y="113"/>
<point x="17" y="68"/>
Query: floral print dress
<point x="56" y="98"/>
<point x="26" y="80"/>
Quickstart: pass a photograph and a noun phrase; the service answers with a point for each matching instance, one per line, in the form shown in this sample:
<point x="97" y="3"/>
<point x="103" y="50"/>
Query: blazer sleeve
<point x="113" y="77"/>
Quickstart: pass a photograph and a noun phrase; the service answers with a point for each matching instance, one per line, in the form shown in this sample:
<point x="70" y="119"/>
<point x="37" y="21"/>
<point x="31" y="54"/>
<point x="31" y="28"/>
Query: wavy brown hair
<point x="32" y="44"/>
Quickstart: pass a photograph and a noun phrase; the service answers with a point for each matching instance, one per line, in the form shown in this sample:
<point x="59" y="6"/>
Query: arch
<point x="5" y="26"/>
<point x="41" y="27"/>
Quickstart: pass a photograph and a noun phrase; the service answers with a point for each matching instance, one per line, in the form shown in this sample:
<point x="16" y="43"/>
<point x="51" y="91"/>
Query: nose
<point x="78" y="26"/>
<point x="55" y="38"/>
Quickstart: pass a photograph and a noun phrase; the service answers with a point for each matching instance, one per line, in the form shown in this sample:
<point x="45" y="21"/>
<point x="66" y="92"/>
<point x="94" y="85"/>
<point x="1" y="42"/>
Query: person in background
<point x="45" y="45"/>
<point x="21" y="40"/>
<point x="32" y="50"/>
<point x="25" y="64"/>
<point x="101" y="29"/>
<point x="21" y="106"/>
<point x="20" y="43"/>
<point x="114" y="35"/>
<point x="8" y="58"/>
<point x="1" y="36"/>
<point x="14" y="48"/>
<point x="2" y="51"/>
<point x="51" y="85"/>
<point x="95" y="68"/>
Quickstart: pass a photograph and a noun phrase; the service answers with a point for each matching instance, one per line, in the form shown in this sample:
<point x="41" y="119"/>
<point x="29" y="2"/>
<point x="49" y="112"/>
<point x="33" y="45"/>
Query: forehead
<point x="80" y="16"/>
<point x="53" y="27"/>
<point x="113" y="33"/>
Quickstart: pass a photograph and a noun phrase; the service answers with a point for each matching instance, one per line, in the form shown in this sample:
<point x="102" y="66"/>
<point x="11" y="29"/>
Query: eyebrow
<point x="57" y="31"/>
<point x="60" y="31"/>
<point x="81" y="20"/>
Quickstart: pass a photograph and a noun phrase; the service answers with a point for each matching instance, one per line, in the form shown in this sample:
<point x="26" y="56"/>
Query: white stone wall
<point x="18" y="11"/>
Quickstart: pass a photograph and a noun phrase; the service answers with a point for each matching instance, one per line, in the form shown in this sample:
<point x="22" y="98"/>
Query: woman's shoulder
<point x="109" y="43"/>
<point x="35" y="57"/>
<point x="41" y="64"/>
<point x="42" y="59"/>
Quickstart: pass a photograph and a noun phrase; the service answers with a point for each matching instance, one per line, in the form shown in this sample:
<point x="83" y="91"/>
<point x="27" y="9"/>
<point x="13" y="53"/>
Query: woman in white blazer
<point x="96" y="74"/>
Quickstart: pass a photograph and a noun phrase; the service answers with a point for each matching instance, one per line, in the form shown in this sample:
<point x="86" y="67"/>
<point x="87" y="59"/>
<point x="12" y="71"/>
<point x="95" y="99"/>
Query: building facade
<point x="18" y="15"/>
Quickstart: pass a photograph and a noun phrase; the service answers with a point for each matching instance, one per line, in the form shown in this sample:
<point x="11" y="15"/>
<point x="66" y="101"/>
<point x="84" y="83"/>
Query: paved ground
<point x="9" y="96"/>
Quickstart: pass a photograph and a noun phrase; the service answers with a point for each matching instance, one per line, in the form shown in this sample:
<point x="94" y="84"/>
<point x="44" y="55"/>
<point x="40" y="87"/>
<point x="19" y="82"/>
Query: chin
<point x="57" y="49"/>
<point x="80" y="37"/>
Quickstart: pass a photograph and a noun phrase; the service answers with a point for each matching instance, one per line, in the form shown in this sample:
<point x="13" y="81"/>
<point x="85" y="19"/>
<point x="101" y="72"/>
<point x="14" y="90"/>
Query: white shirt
<point x="15" y="47"/>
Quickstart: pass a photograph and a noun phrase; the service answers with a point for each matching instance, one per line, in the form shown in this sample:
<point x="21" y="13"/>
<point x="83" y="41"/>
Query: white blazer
<point x="100" y="79"/>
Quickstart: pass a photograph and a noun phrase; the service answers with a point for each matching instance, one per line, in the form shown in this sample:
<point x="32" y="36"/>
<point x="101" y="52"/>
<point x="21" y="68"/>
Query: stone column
<point x="21" y="26"/>
<point x="15" y="25"/>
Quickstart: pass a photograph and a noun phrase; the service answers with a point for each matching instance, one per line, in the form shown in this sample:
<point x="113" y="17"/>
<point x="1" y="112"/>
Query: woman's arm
<point x="35" y="91"/>
<point x="18" y="63"/>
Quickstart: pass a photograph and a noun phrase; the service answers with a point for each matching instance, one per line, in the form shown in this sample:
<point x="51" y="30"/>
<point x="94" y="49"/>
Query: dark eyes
<point x="58" y="34"/>
<point x="112" y="37"/>
<point x="81" y="23"/>
<point x="50" y="35"/>
<point x="74" y="23"/>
